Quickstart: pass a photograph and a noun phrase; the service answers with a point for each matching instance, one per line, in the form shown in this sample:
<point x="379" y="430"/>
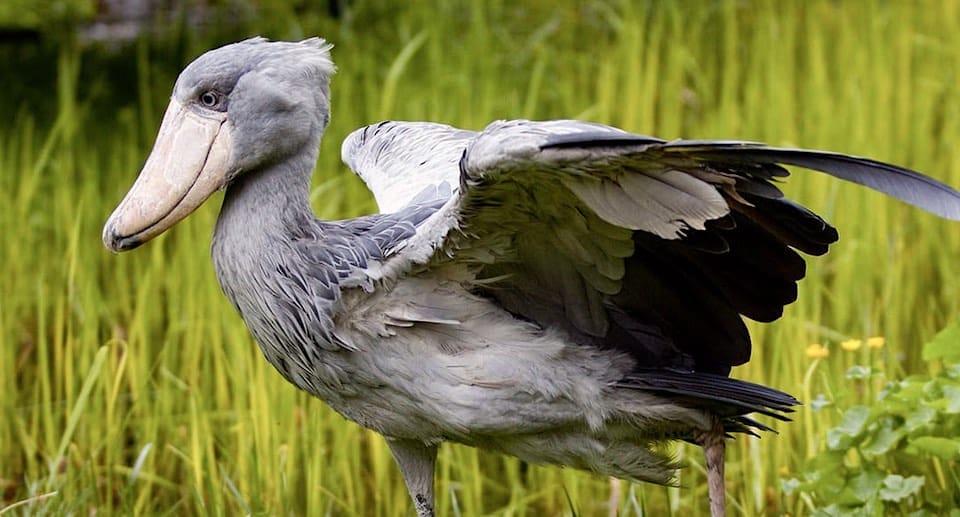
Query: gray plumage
<point x="561" y="291"/>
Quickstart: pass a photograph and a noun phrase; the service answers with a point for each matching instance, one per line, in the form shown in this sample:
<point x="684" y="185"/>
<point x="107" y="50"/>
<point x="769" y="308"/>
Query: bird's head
<point x="235" y="109"/>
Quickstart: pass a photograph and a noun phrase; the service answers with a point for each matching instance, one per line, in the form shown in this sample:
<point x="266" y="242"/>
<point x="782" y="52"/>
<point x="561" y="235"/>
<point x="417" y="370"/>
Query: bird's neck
<point x="262" y="212"/>
<point x="269" y="202"/>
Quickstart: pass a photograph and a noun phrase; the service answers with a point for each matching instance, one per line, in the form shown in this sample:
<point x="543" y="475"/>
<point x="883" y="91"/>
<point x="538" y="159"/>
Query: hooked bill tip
<point x="117" y="243"/>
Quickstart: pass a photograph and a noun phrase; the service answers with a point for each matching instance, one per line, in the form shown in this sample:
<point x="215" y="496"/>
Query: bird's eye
<point x="209" y="99"/>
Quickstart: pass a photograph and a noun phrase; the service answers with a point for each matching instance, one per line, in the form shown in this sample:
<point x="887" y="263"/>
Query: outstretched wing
<point x="625" y="241"/>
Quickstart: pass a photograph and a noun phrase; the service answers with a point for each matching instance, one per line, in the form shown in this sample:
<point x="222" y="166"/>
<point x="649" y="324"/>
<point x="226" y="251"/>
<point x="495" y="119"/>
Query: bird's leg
<point x="416" y="460"/>
<point x="713" y="445"/>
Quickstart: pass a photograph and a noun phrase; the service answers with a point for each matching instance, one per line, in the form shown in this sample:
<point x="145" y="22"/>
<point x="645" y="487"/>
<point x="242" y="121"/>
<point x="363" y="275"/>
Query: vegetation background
<point x="129" y="386"/>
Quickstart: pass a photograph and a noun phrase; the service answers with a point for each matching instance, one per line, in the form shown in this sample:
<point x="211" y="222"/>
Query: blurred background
<point x="128" y="385"/>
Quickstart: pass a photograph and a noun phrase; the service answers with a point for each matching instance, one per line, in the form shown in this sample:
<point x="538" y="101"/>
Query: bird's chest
<point x="358" y="383"/>
<point x="294" y="334"/>
<point x="340" y="353"/>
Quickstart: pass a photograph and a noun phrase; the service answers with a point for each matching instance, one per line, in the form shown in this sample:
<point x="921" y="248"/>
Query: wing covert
<point x="406" y="163"/>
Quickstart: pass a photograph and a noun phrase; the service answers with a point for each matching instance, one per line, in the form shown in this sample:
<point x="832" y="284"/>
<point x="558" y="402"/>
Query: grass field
<point x="128" y="385"/>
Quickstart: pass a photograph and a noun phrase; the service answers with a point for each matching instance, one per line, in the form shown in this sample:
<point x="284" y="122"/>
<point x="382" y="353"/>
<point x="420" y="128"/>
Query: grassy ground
<point x="129" y="385"/>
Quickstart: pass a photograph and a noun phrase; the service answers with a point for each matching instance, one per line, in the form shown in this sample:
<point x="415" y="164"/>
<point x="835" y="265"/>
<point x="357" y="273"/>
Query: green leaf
<point x="860" y="372"/>
<point x="952" y="371"/>
<point x="923" y="512"/>
<point x="836" y="510"/>
<point x="789" y="486"/>
<point x="825" y="475"/>
<point x="945" y="345"/>
<point x="854" y="422"/>
<point x="944" y="448"/>
<point x="865" y="485"/>
<point x="897" y="488"/>
<point x="909" y="391"/>
<point x="883" y="440"/>
<point x="819" y="403"/>
<point x="828" y="511"/>
<point x="952" y="394"/>
<point x="921" y="417"/>
<point x="932" y="389"/>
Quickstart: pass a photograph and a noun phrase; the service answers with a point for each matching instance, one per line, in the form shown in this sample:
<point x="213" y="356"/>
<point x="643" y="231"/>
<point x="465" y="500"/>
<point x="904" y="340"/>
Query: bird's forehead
<point x="222" y="67"/>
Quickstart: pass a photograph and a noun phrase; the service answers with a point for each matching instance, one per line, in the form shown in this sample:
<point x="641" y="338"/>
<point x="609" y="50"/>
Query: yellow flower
<point x="817" y="351"/>
<point x="876" y="341"/>
<point x="784" y="471"/>
<point x="851" y="345"/>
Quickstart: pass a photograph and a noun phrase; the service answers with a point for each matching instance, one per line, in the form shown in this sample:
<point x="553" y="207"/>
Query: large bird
<point x="561" y="291"/>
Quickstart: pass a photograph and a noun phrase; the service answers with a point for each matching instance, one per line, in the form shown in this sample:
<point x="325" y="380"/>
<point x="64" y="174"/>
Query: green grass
<point x="129" y="385"/>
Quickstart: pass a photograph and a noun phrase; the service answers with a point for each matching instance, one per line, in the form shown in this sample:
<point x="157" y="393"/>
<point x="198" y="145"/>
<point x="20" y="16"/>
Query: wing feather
<point x="627" y="241"/>
<point x="904" y="184"/>
<point x="406" y="163"/>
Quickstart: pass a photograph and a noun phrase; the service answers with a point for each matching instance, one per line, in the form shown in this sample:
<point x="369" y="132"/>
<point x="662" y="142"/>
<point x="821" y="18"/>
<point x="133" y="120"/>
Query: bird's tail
<point x="730" y="399"/>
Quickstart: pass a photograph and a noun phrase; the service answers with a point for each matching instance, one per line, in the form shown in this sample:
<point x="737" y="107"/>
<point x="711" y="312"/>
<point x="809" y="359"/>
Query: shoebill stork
<point x="561" y="291"/>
